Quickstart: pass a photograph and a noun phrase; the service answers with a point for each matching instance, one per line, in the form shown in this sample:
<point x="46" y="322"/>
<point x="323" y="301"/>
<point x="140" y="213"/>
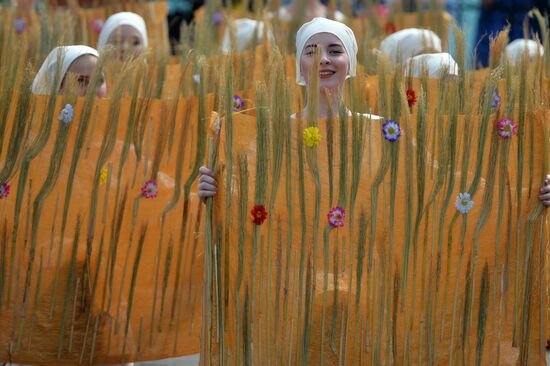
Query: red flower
<point x="411" y="97"/>
<point x="259" y="214"/>
<point x="390" y="28"/>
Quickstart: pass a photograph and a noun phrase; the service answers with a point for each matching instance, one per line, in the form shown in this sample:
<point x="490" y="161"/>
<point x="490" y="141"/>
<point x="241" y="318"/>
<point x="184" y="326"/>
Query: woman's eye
<point x="137" y="43"/>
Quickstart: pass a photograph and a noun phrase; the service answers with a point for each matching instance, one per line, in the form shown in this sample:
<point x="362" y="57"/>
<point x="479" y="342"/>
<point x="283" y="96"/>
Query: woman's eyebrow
<point x="335" y="45"/>
<point x="313" y="45"/>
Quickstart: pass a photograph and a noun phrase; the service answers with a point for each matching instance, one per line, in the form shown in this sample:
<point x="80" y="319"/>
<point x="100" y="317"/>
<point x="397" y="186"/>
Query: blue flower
<point x="237" y="103"/>
<point x="67" y="114"/>
<point x="19" y="24"/>
<point x="496" y="100"/>
<point x="391" y="130"/>
<point x="217" y="18"/>
<point x="464" y="202"/>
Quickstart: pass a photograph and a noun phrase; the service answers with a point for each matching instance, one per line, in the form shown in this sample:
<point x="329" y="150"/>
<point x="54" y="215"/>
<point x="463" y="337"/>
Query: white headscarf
<point x="118" y="19"/>
<point x="245" y="29"/>
<point x="435" y="63"/>
<point x="517" y="48"/>
<point x="44" y="79"/>
<point x="408" y="43"/>
<point x="324" y="25"/>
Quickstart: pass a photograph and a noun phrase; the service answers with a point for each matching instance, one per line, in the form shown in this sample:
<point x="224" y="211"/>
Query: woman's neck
<point x="328" y="104"/>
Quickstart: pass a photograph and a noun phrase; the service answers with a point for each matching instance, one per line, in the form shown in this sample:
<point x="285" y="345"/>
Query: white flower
<point x="67" y="114"/>
<point x="464" y="202"/>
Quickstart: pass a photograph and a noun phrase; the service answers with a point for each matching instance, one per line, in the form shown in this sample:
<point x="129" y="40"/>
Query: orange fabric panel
<point x="298" y="296"/>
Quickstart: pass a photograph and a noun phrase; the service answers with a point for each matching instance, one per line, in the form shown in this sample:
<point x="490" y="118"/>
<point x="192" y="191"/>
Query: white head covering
<point x="517" y="48"/>
<point x="324" y="25"/>
<point x="408" y="43"/>
<point x="44" y="79"/>
<point x="118" y="19"/>
<point x="245" y="29"/>
<point x="436" y="64"/>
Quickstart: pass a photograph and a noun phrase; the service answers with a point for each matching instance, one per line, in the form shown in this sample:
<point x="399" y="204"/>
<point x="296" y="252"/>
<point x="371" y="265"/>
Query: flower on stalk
<point x="149" y="189"/>
<point x="19" y="24"/>
<point x="259" y="214"/>
<point x="390" y="28"/>
<point x="103" y="176"/>
<point x="391" y="130"/>
<point x="381" y="10"/>
<point x="506" y="128"/>
<point x="67" y="114"/>
<point x="217" y="18"/>
<point x="336" y="217"/>
<point x="4" y="190"/>
<point x="97" y="25"/>
<point x="464" y="202"/>
<point x="496" y="100"/>
<point x="411" y="97"/>
<point x="312" y="137"/>
<point x="237" y="103"/>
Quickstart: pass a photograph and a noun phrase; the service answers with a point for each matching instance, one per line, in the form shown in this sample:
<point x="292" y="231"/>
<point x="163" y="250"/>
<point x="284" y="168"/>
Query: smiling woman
<point x="337" y="49"/>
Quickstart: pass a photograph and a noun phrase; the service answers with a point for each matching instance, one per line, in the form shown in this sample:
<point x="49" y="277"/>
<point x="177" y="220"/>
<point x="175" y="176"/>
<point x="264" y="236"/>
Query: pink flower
<point x="97" y="25"/>
<point x="336" y="217"/>
<point x="149" y="189"/>
<point x="506" y="128"/>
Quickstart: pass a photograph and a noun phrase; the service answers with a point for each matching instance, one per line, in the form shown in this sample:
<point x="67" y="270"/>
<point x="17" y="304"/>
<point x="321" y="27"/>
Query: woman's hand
<point x="544" y="196"/>
<point x="208" y="187"/>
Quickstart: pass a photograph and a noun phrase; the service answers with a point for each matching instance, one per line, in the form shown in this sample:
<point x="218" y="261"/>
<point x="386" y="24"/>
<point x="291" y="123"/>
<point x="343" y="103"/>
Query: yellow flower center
<point x="391" y="130"/>
<point x="464" y="202"/>
<point x="507" y="128"/>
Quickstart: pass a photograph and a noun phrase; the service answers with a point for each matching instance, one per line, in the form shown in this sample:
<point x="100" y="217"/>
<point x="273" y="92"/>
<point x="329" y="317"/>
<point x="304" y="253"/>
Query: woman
<point x="79" y="61"/>
<point x="409" y="42"/>
<point x="338" y="61"/>
<point x="338" y="49"/>
<point x="127" y="33"/>
<point x="436" y="64"/>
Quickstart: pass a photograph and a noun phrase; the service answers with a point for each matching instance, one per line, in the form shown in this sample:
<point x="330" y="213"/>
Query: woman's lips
<point x="325" y="74"/>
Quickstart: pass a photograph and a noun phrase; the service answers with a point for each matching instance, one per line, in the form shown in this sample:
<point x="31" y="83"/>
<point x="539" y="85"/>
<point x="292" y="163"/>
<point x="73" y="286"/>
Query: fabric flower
<point x="391" y="130"/>
<point x="19" y="24"/>
<point x="411" y="97"/>
<point x="390" y="28"/>
<point x="4" y="190"/>
<point x="149" y="189"/>
<point x="496" y="100"/>
<point x="237" y="103"/>
<point x="103" y="176"/>
<point x="259" y="214"/>
<point x="217" y="18"/>
<point x="464" y="202"/>
<point x="97" y="25"/>
<point x="336" y="217"/>
<point x="312" y="137"/>
<point x="506" y="128"/>
<point x="381" y="10"/>
<point x="67" y="114"/>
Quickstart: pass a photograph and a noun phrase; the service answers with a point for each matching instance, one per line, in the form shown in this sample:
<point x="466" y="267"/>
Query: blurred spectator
<point x="497" y="14"/>
<point x="180" y="11"/>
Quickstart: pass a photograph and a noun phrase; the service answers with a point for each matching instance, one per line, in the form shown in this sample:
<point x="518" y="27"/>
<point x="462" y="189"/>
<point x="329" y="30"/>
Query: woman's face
<point x="82" y="69"/>
<point x="128" y="42"/>
<point x="333" y="62"/>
